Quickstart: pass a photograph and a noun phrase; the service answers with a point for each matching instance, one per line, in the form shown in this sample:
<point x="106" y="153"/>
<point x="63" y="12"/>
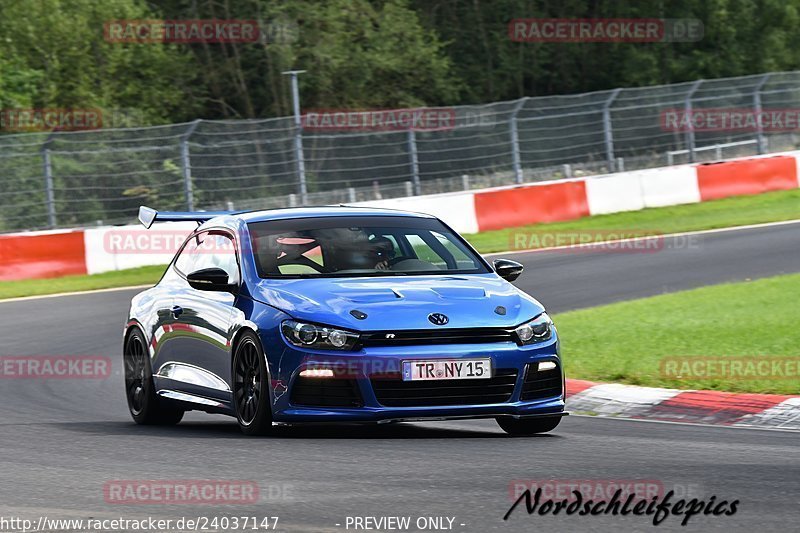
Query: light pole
<point x="298" y="135"/>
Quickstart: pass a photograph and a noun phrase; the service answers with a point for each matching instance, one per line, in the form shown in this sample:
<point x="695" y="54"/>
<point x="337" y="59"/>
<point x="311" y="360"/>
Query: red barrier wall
<point x="533" y="204"/>
<point x="42" y="256"/>
<point x="752" y="176"/>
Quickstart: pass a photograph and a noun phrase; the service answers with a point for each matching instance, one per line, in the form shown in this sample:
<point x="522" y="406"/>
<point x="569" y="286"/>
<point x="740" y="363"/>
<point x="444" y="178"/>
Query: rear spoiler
<point x="148" y="215"/>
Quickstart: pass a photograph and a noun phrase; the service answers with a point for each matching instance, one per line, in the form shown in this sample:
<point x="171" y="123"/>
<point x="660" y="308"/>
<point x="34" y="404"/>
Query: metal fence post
<point x="760" y="144"/>
<point x="50" y="201"/>
<point x="687" y="108"/>
<point x="515" y="155"/>
<point x="298" y="136"/>
<point x="186" y="166"/>
<point x="412" y="152"/>
<point x="607" y="131"/>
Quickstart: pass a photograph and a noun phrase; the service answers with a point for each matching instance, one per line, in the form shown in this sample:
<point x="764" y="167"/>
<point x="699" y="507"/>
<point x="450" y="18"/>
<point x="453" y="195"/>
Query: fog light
<point x="316" y="373"/>
<point x="546" y="365"/>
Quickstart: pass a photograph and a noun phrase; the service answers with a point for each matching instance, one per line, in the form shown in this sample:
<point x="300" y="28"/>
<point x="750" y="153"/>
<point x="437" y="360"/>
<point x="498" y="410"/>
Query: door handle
<point x="176" y="311"/>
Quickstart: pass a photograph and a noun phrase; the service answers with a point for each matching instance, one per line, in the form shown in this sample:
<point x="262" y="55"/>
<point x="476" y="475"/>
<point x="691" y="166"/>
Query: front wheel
<point x="143" y="403"/>
<point x="251" y="387"/>
<point x="524" y="427"/>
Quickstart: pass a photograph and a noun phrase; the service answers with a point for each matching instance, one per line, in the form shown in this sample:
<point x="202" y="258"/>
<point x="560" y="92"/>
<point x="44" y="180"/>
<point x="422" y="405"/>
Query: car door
<point x="202" y="328"/>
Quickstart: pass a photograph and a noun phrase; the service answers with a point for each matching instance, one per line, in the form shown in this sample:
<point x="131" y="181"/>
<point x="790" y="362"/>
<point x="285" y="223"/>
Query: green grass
<point x="626" y="341"/>
<point x="735" y="211"/>
<point x="768" y="207"/>
<point x="121" y="278"/>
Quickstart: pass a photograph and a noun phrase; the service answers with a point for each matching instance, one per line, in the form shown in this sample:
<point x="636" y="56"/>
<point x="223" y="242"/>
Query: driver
<point x="383" y="250"/>
<point x="353" y="249"/>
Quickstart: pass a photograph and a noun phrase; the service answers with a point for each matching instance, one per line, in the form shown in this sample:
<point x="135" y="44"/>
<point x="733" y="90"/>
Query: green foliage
<point x="741" y="37"/>
<point x="59" y="58"/>
<point x="358" y="54"/>
<point x="365" y="53"/>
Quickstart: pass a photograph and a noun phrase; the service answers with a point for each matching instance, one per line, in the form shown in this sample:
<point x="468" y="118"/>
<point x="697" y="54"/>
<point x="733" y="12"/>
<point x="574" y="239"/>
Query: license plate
<point x="447" y="369"/>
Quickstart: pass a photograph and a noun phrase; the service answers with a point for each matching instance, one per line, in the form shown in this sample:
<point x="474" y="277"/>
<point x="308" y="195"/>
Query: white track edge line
<point x="76" y="293"/>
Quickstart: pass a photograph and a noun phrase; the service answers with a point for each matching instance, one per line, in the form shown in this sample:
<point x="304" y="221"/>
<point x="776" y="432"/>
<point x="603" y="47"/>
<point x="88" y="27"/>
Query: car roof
<point x="324" y="212"/>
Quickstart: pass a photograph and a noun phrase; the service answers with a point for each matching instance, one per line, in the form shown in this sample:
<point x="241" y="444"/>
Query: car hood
<point x="399" y="302"/>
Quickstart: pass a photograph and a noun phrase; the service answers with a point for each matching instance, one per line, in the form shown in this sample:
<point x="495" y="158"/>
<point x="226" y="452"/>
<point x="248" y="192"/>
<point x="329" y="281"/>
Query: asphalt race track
<point x="62" y="440"/>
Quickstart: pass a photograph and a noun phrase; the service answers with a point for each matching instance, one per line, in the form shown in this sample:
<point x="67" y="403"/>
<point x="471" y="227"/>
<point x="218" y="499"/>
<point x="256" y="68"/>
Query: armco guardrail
<point x="85" y="178"/>
<point x="94" y="250"/>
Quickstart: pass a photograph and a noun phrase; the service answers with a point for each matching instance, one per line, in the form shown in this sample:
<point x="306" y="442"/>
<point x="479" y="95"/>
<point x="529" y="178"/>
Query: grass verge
<point x="632" y="341"/>
<point x="768" y="207"/>
<point x="121" y="278"/>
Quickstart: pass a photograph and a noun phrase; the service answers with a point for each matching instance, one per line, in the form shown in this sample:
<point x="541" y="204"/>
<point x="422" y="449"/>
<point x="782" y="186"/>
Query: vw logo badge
<point x="438" y="319"/>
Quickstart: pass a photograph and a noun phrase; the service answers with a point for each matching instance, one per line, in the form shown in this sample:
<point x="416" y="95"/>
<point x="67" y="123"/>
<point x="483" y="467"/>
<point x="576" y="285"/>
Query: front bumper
<point x="360" y="368"/>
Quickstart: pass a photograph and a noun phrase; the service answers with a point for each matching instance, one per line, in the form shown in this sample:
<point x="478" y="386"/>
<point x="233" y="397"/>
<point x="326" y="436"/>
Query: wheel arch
<point x="237" y="337"/>
<point x="131" y="326"/>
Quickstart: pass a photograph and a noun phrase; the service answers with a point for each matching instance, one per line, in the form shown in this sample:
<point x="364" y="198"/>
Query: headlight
<point x="307" y="335"/>
<point x="537" y="330"/>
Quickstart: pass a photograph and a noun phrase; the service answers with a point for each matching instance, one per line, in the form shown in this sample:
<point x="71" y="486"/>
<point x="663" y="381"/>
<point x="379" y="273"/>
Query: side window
<point x="461" y="258"/>
<point x="185" y="261"/>
<point x="425" y="252"/>
<point x="209" y="250"/>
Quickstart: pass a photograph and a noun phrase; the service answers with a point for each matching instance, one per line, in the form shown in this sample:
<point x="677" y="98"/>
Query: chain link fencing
<point x="82" y="178"/>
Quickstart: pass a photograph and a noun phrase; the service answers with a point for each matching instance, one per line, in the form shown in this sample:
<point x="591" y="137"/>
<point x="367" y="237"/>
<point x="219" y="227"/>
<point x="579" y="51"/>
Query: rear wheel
<point x="143" y="403"/>
<point x="251" y="387"/>
<point x="523" y="427"/>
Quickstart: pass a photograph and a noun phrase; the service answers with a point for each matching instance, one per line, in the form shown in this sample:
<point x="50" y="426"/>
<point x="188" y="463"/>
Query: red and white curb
<point x="770" y="411"/>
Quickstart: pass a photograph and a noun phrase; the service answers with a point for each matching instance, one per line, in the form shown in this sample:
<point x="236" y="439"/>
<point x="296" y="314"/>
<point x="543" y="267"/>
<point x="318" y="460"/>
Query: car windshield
<point x="359" y="246"/>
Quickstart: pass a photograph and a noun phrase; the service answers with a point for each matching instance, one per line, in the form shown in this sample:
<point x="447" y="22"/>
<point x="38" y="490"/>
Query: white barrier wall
<point x="668" y="186"/>
<point x="121" y="247"/>
<point x="457" y="210"/>
<point x="614" y="193"/>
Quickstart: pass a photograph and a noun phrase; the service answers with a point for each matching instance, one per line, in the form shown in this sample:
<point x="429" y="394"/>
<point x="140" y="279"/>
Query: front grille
<point x="412" y="337"/>
<point x="394" y="392"/>
<point x="326" y="392"/>
<point x="538" y="385"/>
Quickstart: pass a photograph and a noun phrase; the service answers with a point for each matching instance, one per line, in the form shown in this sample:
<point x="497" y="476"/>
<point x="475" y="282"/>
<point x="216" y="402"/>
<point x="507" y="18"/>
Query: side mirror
<point x="507" y="269"/>
<point x="210" y="279"/>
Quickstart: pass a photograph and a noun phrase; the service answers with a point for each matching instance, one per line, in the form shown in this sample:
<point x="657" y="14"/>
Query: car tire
<point x="251" y="398"/>
<point x="145" y="406"/>
<point x="524" y="427"/>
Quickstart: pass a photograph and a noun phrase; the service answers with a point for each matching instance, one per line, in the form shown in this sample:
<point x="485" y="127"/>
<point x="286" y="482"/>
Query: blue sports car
<point x="338" y="314"/>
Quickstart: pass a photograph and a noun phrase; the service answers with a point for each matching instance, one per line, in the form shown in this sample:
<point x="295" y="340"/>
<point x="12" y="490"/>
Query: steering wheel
<point x="392" y="262"/>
